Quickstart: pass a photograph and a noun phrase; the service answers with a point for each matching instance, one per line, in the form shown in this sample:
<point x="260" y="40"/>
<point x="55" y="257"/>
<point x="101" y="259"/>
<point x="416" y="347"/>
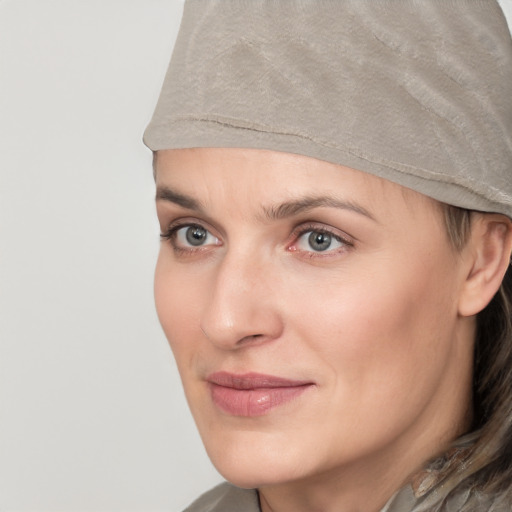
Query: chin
<point x="251" y="459"/>
<point x="253" y="474"/>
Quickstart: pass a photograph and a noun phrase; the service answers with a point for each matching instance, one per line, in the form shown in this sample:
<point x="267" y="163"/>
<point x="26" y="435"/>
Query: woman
<point x="334" y="191"/>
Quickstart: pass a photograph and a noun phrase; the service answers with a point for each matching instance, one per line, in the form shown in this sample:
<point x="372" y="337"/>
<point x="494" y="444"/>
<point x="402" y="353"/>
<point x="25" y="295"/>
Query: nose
<point x="242" y="308"/>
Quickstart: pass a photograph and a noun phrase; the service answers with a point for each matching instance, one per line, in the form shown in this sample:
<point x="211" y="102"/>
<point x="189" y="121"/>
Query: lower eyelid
<point x="173" y="234"/>
<point x="344" y="241"/>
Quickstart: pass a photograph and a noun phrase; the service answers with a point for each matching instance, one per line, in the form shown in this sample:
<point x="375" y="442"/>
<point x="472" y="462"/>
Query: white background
<point x="92" y="416"/>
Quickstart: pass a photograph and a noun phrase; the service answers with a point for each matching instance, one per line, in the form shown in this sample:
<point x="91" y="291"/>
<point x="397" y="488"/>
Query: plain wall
<point x="92" y="415"/>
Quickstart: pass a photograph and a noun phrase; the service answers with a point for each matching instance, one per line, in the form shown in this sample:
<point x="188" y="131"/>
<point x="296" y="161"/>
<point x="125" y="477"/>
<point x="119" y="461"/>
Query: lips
<point x="253" y="394"/>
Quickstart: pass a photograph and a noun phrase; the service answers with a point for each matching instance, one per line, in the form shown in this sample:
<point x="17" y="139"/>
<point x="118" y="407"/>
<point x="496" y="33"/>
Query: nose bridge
<point x="241" y="306"/>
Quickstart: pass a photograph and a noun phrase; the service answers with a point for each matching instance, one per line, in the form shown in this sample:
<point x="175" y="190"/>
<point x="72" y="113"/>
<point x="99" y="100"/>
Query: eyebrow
<point x="304" y="204"/>
<point x="277" y="212"/>
<point x="166" y="194"/>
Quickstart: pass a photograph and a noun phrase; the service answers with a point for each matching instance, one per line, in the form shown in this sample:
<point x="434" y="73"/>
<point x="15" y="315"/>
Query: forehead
<point x="252" y="175"/>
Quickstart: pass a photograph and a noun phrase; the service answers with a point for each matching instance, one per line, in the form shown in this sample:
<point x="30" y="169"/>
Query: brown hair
<point x="486" y="466"/>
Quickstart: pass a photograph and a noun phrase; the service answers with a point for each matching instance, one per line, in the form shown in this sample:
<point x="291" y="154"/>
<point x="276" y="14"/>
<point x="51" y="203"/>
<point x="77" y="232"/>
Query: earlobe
<point x="489" y="251"/>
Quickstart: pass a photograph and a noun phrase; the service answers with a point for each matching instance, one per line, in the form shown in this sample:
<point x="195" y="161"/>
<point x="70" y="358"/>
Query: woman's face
<point x="313" y="313"/>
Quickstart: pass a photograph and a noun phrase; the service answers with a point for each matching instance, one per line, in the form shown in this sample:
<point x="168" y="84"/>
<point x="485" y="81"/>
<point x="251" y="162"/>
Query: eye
<point x="190" y="236"/>
<point x="194" y="236"/>
<point x="319" y="241"/>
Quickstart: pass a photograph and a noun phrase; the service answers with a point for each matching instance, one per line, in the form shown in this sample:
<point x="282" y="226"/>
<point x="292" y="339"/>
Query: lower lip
<point x="253" y="402"/>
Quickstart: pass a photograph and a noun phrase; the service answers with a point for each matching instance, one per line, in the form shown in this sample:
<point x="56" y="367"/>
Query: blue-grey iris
<point x="319" y="241"/>
<point x="196" y="235"/>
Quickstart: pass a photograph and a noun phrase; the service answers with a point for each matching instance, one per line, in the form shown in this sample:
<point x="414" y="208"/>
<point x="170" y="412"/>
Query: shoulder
<point x="226" y="498"/>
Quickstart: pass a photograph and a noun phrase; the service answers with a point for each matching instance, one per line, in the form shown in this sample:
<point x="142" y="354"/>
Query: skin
<point x="374" y="322"/>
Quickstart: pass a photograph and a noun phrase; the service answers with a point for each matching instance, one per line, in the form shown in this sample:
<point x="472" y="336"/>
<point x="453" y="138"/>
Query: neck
<point x="358" y="489"/>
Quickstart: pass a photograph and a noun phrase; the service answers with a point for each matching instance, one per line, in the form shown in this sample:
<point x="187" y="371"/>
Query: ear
<point x="488" y="256"/>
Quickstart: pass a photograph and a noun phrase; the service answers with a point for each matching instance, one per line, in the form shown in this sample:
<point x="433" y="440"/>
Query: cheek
<point x="383" y="340"/>
<point x="176" y="304"/>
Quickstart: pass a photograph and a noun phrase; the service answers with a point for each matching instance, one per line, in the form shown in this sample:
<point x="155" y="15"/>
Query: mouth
<point x="253" y="394"/>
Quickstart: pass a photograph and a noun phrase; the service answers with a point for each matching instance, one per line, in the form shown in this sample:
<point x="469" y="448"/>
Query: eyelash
<point x="171" y="234"/>
<point x="303" y="229"/>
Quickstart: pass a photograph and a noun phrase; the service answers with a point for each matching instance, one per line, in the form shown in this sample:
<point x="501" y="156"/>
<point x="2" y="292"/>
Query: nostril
<point x="241" y="341"/>
<point x="247" y="339"/>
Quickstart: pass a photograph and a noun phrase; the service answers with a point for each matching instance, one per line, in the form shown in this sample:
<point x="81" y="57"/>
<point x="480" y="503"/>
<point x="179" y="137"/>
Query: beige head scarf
<point x="416" y="91"/>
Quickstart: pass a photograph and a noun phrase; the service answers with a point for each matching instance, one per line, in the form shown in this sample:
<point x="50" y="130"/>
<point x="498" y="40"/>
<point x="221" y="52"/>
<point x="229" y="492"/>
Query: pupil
<point x="319" y="241"/>
<point x="196" y="235"/>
